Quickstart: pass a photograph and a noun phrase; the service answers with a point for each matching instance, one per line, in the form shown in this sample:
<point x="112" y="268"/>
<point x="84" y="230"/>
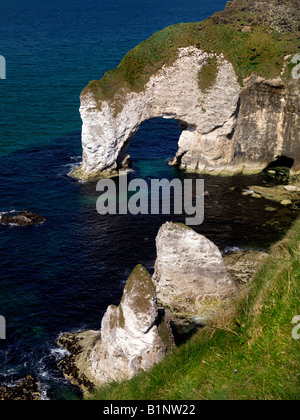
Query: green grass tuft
<point x="208" y="74"/>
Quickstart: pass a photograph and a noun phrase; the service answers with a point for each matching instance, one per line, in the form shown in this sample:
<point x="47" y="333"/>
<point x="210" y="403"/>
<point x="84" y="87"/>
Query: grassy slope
<point x="260" y="52"/>
<point x="248" y="354"/>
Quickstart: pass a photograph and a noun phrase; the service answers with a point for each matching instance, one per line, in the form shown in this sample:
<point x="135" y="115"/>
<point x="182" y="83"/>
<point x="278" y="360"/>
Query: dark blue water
<point x="62" y="275"/>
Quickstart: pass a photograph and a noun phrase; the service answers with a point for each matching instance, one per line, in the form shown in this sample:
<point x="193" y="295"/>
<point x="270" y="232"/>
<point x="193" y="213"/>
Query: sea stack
<point x="191" y="278"/>
<point x="134" y="336"/>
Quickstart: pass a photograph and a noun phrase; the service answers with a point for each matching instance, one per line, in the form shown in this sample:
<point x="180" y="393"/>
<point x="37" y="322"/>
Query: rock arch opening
<point x="156" y="140"/>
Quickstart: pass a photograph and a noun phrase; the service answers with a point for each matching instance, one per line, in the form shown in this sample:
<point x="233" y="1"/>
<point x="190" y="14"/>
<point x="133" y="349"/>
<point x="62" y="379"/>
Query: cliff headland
<point x="229" y="81"/>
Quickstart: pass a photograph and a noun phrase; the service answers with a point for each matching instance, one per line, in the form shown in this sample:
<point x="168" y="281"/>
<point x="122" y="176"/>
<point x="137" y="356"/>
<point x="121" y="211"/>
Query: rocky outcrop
<point x="130" y="338"/>
<point x="23" y="218"/>
<point x="191" y="277"/>
<point x="190" y="285"/>
<point x="133" y="337"/>
<point x="281" y="15"/>
<point x="226" y="129"/>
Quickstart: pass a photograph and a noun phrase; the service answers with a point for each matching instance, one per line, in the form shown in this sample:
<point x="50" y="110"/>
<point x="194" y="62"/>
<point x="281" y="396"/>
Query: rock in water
<point x="133" y="337"/>
<point x="191" y="277"/>
<point x="25" y="390"/>
<point x="23" y="218"/>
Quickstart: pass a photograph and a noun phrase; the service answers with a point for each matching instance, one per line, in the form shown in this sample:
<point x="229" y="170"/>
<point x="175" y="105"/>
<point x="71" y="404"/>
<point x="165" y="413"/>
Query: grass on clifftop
<point x="248" y="354"/>
<point x="260" y="52"/>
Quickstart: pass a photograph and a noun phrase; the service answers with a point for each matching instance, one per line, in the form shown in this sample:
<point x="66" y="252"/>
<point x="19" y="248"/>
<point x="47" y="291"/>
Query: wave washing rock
<point x="237" y="114"/>
<point x="133" y="338"/>
<point x="191" y="277"/>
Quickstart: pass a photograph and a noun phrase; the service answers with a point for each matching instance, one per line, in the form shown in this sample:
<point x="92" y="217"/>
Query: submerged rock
<point x="191" y="277"/>
<point x="22" y="218"/>
<point x="26" y="390"/>
<point x="286" y="202"/>
<point x="133" y="337"/>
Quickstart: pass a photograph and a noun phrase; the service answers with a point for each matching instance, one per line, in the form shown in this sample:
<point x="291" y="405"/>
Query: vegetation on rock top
<point x="261" y="51"/>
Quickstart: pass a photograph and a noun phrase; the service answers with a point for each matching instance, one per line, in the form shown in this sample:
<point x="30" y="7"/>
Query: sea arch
<point x="199" y="90"/>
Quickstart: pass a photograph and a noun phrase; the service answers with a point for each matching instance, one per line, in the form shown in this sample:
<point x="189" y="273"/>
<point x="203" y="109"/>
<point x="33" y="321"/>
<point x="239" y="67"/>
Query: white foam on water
<point x="59" y="353"/>
<point x="234" y="249"/>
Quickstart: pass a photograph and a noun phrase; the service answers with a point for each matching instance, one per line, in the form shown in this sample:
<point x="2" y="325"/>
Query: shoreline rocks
<point x="280" y="194"/>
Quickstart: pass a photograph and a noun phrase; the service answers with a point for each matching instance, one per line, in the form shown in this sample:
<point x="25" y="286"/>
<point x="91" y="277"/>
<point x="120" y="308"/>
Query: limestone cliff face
<point x="268" y="125"/>
<point x="190" y="275"/>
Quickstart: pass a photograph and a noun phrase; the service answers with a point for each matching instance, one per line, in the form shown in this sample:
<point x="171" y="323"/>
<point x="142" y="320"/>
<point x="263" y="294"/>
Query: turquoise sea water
<point x="61" y="276"/>
<point x="53" y="49"/>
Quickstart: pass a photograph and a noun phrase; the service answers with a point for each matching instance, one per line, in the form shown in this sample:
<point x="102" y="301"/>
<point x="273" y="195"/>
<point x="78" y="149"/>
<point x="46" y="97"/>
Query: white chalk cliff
<point x="208" y="118"/>
<point x="226" y="128"/>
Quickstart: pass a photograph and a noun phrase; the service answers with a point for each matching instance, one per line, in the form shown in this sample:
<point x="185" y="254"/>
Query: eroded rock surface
<point x="243" y="265"/>
<point x="190" y="275"/>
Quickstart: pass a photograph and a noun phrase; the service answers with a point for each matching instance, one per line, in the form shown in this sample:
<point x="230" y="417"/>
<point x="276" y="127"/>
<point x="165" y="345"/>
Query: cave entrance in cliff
<point x="154" y="145"/>
<point x="281" y="162"/>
